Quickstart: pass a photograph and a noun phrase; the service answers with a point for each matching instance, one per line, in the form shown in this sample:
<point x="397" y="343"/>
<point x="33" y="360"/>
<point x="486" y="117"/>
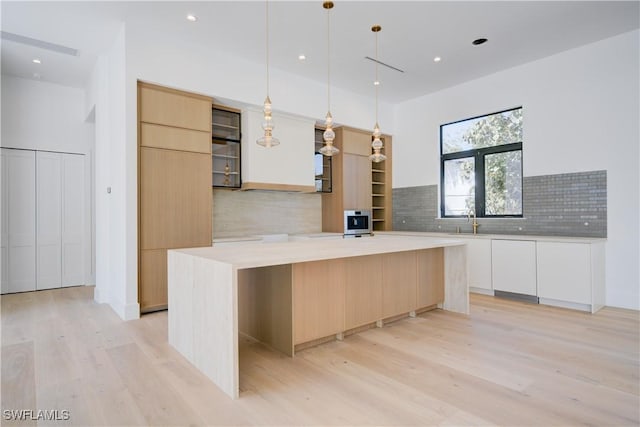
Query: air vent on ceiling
<point x="39" y="43"/>
<point x="382" y="63"/>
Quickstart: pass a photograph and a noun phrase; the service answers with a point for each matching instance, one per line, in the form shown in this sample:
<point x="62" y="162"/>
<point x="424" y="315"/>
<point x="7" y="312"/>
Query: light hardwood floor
<point x="508" y="363"/>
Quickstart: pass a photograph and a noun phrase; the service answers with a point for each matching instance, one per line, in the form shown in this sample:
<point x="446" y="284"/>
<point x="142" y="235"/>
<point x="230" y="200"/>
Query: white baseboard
<point x="481" y="291"/>
<point x="566" y="304"/>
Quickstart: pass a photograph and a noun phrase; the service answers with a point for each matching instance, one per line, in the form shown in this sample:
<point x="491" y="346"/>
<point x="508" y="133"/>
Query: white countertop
<point x="252" y="253"/>
<point x="561" y="239"/>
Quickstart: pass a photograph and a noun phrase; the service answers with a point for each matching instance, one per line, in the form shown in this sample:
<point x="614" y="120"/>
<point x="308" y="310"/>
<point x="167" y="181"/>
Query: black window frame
<point x="479" y="155"/>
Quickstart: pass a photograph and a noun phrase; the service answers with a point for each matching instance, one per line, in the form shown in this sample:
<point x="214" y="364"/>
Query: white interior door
<point x="21" y="206"/>
<point x="73" y="219"/>
<point x="48" y="219"/>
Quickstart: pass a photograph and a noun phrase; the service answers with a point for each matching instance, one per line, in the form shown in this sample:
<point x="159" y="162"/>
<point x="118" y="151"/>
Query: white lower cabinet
<point x="479" y="264"/>
<point x="571" y="274"/>
<point x="513" y="266"/>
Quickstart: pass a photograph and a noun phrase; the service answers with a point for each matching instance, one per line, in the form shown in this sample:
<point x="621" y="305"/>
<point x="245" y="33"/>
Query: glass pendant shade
<point x="267" y="140"/>
<point x="329" y="135"/>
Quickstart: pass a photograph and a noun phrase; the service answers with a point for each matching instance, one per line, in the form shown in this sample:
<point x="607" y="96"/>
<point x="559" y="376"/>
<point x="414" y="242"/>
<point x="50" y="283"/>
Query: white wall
<point x="116" y="173"/>
<point x="43" y="116"/>
<point x="581" y="113"/>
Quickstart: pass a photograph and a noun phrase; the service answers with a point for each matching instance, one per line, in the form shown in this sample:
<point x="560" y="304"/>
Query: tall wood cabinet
<point x="174" y="183"/>
<point x="357" y="183"/>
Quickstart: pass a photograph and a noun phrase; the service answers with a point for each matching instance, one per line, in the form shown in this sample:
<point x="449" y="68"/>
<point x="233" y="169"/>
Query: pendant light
<point x="329" y="135"/>
<point x="376" y="144"/>
<point x="267" y="140"/>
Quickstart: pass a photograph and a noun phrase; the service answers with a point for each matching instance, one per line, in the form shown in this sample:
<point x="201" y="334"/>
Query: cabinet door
<point x="356" y="142"/>
<point x="430" y="288"/>
<point x="153" y="280"/>
<point x="363" y="290"/>
<point x="479" y="263"/>
<point x="399" y="280"/>
<point x="564" y="271"/>
<point x="174" y="108"/>
<point x="49" y="221"/>
<point x="513" y="266"/>
<point x="356" y="181"/>
<point x="21" y="226"/>
<point x="175" y="199"/>
<point x="73" y="220"/>
<point x="318" y="299"/>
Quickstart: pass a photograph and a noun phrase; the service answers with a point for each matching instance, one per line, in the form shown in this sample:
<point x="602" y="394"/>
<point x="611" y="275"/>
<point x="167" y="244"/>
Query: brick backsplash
<point x="571" y="204"/>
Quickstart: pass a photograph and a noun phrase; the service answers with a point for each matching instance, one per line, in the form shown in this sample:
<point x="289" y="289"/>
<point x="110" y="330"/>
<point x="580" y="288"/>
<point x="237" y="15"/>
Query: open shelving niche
<point x="322" y="165"/>
<point x="225" y="147"/>
<point x="379" y="193"/>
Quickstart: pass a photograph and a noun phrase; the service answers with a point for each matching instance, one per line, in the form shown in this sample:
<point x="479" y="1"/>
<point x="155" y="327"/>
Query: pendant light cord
<point x="328" y="62"/>
<point x="377" y="80"/>
<point x="267" y="41"/>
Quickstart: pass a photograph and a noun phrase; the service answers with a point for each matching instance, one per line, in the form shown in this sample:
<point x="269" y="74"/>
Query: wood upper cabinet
<point x="175" y="199"/>
<point x="174" y="108"/>
<point x="174" y="183"/>
<point x="357" y="183"/>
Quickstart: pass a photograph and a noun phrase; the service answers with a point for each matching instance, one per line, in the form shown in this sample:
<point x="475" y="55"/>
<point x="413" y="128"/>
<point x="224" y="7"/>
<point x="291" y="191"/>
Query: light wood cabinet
<point x="399" y="280"/>
<point x="363" y="291"/>
<point x="357" y="183"/>
<point x="174" y="183"/>
<point x="318" y="299"/>
<point x="175" y="208"/>
<point x="430" y="289"/>
<point x="169" y="107"/>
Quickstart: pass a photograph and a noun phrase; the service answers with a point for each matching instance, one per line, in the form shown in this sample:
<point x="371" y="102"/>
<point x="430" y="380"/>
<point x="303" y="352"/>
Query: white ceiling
<point x="413" y="32"/>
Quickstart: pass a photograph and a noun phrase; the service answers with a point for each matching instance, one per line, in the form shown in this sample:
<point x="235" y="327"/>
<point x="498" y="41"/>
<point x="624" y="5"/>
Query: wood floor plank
<point x="507" y="363"/>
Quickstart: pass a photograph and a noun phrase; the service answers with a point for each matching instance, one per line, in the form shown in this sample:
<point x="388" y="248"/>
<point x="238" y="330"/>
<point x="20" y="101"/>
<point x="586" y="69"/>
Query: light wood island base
<point x="292" y="294"/>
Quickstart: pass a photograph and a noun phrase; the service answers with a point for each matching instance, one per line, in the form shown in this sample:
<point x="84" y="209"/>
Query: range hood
<point x="286" y="167"/>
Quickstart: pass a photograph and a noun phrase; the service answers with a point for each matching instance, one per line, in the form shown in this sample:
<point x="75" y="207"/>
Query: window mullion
<point x="480" y="190"/>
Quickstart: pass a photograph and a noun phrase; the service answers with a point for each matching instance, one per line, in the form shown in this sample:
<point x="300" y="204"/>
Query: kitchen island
<point x="289" y="294"/>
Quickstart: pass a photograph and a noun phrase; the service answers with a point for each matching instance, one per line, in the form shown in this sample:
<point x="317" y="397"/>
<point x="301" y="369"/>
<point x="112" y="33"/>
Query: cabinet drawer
<point x="174" y="108"/>
<point x="171" y="138"/>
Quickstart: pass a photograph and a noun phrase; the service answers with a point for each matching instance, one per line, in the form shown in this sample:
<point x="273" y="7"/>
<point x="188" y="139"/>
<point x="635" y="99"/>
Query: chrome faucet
<point x="472" y="212"/>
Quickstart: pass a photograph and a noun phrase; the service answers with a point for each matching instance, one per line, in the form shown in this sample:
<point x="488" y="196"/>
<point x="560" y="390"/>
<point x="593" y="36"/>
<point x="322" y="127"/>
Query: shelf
<point x="377" y="207"/>
<point x="377" y="183"/>
<point x="377" y="220"/>
<point x="377" y="195"/>
<point x="220" y="125"/>
<point x="377" y="170"/>
<point x="222" y="172"/>
<point x="225" y="156"/>
<point x="223" y="139"/>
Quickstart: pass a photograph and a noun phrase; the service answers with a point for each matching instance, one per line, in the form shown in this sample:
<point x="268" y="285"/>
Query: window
<point x="481" y="166"/>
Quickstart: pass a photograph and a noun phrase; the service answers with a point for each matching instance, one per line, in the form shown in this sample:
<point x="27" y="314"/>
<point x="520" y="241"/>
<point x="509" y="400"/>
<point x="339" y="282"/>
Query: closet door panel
<point x="21" y="181"/>
<point x="4" y="217"/>
<point x="48" y="220"/>
<point x="73" y="219"/>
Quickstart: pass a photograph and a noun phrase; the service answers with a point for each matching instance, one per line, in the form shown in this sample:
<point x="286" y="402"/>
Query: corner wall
<point x="581" y="110"/>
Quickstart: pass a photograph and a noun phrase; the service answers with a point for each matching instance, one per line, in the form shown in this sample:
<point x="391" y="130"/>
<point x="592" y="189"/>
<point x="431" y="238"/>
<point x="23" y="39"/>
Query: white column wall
<point x="581" y="110"/>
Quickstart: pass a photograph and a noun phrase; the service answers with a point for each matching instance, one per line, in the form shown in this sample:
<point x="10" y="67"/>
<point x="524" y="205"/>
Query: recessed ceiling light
<point x="478" y="42"/>
<point x="192" y="18"/>
<point x="376" y="83"/>
<point x="437" y="59"/>
<point x="302" y="57"/>
<point x="36" y="61"/>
